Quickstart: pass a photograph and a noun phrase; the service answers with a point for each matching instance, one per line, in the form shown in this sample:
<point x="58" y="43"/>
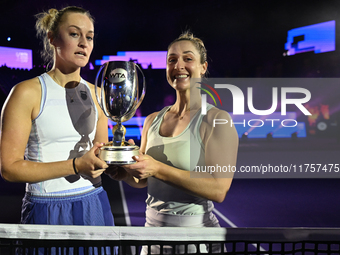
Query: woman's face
<point x="183" y="63"/>
<point x="74" y="42"/>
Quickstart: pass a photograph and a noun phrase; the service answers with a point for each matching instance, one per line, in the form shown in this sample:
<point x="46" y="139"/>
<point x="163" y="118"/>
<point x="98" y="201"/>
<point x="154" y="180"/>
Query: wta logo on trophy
<point x="118" y="75"/>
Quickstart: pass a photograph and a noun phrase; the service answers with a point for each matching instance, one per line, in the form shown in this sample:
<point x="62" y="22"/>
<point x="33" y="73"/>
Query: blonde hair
<point x="198" y="43"/>
<point x="49" y="22"/>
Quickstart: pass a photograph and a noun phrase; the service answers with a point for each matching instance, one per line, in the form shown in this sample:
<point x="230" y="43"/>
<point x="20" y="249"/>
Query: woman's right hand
<point x="89" y="164"/>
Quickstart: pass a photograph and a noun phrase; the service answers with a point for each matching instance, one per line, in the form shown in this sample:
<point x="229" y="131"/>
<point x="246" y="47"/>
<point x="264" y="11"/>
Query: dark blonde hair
<point x="50" y="22"/>
<point x="198" y="43"/>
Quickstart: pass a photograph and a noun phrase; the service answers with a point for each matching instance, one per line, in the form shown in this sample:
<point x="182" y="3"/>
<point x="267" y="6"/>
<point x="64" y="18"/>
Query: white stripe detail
<point x="231" y="224"/>
<point x="125" y="207"/>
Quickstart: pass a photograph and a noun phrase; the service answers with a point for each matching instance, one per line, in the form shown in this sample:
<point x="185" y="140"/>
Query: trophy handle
<point x="133" y="110"/>
<point x="143" y="90"/>
<point x="100" y="80"/>
<point x="96" y="83"/>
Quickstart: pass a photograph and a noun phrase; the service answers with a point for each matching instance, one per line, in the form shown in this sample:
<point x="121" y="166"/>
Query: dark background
<point x="244" y="38"/>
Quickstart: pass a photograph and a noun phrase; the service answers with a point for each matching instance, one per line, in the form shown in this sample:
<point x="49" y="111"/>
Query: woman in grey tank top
<point x="179" y="143"/>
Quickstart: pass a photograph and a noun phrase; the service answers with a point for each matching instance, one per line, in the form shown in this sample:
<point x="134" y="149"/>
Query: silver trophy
<point x="119" y="99"/>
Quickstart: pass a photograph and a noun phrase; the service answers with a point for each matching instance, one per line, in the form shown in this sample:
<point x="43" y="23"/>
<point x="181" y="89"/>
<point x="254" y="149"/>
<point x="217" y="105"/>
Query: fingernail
<point x="137" y="157"/>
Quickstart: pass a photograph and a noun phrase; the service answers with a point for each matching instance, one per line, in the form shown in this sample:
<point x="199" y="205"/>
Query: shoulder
<point x="90" y="85"/>
<point x="28" y="88"/>
<point x="149" y="119"/>
<point x="92" y="89"/>
<point x="217" y="123"/>
<point x="147" y="123"/>
<point x="24" y="98"/>
<point x="215" y="114"/>
<point x="222" y="124"/>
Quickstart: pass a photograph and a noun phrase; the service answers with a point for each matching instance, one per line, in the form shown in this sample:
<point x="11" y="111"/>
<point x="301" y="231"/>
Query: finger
<point x="100" y="164"/>
<point x="131" y="141"/>
<point x="96" y="173"/>
<point x="96" y="148"/>
<point x="145" y="176"/>
<point x="137" y="158"/>
<point x="135" y="165"/>
<point x="97" y="145"/>
<point x="99" y="171"/>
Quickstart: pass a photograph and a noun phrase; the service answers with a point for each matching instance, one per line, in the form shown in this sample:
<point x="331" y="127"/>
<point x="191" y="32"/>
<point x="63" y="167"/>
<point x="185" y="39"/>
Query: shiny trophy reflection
<point x="119" y="99"/>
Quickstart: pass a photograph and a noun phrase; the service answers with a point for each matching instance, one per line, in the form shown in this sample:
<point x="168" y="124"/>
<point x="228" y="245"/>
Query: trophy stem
<point x="118" y="135"/>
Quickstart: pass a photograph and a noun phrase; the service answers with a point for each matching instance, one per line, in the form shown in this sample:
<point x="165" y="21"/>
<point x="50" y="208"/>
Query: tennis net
<point x="47" y="239"/>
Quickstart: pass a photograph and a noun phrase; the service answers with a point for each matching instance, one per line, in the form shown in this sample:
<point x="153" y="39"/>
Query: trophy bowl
<point x="117" y="91"/>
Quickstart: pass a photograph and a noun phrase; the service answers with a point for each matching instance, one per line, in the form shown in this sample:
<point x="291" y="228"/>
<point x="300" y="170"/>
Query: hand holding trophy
<point x="119" y="99"/>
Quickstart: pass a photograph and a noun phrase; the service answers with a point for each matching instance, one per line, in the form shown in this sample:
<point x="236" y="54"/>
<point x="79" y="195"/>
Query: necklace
<point x="70" y="96"/>
<point x="182" y="116"/>
<point x="179" y="115"/>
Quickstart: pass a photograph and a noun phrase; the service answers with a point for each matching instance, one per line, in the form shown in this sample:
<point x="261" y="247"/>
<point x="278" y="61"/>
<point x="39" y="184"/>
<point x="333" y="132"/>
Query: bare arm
<point x="221" y="145"/>
<point x="21" y="107"/>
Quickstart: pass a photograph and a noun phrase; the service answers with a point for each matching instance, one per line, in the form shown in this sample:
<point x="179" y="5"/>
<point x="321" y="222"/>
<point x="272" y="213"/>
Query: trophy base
<point x="119" y="155"/>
